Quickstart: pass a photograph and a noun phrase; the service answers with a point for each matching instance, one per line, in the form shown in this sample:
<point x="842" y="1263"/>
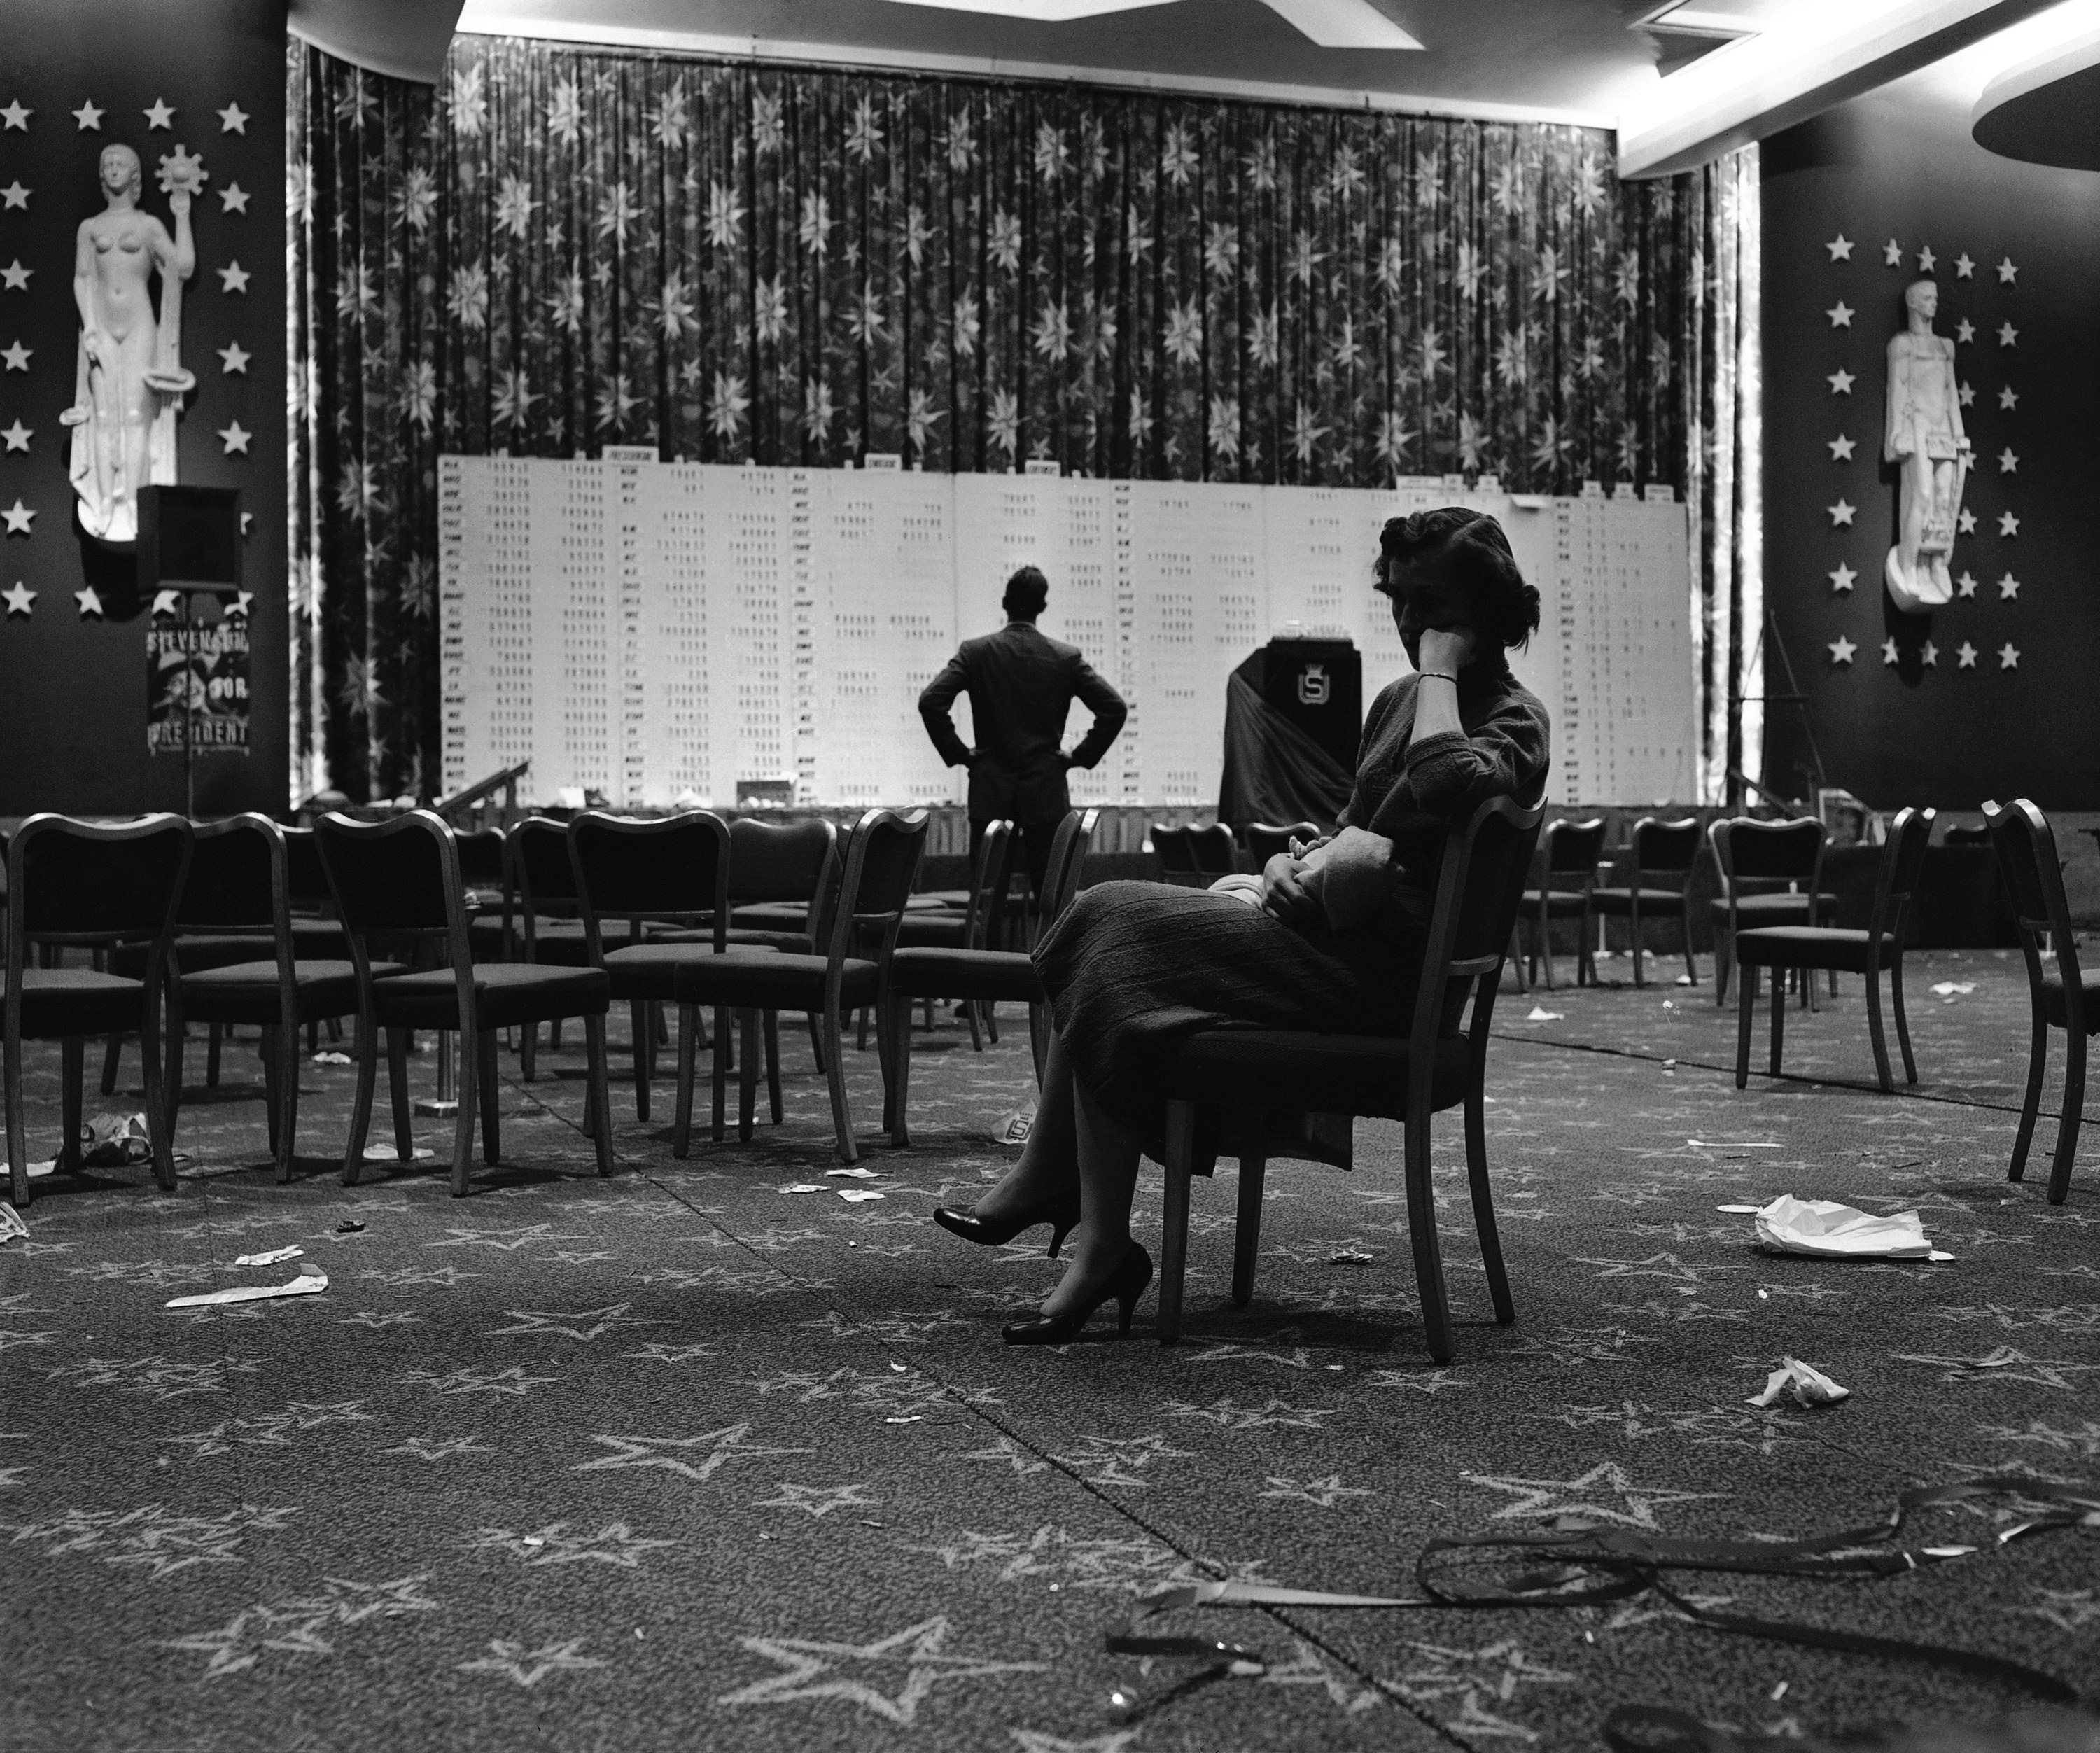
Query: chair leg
<point x="991" y="1008"/>
<point x="1723" y="959"/>
<point x="18" y="1138"/>
<point x="600" y="1091"/>
<point x="491" y="1097"/>
<point x="682" y="1126"/>
<point x="213" y="1042"/>
<point x="1874" y="1032"/>
<point x="977" y="1026"/>
<point x="1515" y="957"/>
<point x="286" y="1047"/>
<point x="1483" y="1208"/>
<point x="554" y="1034"/>
<point x="835" y="1074"/>
<point x="723" y="1031"/>
<point x="470" y="1094"/>
<point x="156" y="1096"/>
<point x="645" y="1054"/>
<point x="1691" y="967"/>
<point x="1422" y="1232"/>
<point x="898" y="1095"/>
<point x="175" y="1041"/>
<point x="1903" y="1021"/>
<point x="397" y="1088"/>
<point x="817" y="1041"/>
<point x="1779" y="1012"/>
<point x="73" y="1083"/>
<point x="860" y="1031"/>
<point x="112" y="1055"/>
<point x="1246" y="1236"/>
<point x="2031" y="1104"/>
<point x="270" y="1090"/>
<point x="2074" y="1113"/>
<point x="775" y="1104"/>
<point x="1545" y="941"/>
<point x="1634" y="933"/>
<point x="528" y="1052"/>
<point x="1747" y="1004"/>
<point x="360" y="1107"/>
<point x="1174" y="1218"/>
<point x="747" y="1075"/>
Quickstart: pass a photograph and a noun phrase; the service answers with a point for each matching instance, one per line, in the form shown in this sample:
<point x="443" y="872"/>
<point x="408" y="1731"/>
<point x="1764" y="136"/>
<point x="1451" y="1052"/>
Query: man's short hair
<point x="1026" y="592"/>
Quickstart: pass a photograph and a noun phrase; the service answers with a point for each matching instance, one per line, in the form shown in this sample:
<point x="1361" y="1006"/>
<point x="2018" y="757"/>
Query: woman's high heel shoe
<point x="991" y="1232"/>
<point x="1125" y="1284"/>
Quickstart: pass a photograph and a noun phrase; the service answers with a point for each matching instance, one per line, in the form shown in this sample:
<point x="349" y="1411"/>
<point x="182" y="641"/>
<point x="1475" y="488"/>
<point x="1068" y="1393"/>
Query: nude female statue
<point x="1924" y="437"/>
<point x="130" y="380"/>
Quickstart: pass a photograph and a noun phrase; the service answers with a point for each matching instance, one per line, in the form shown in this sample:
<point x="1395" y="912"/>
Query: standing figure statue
<point x="130" y="380"/>
<point x="1924" y="439"/>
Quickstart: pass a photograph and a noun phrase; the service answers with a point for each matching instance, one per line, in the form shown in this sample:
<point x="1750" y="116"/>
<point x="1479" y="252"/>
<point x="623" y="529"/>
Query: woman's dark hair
<point x="1472" y="544"/>
<point x="1026" y="592"/>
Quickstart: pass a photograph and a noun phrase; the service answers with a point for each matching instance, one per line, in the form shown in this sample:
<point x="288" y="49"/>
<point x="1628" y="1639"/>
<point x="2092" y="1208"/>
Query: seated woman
<point x="1332" y="940"/>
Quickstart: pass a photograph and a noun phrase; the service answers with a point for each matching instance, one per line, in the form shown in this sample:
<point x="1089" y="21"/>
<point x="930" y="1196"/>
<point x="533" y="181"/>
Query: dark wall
<point x="1900" y="164"/>
<point x="72" y="690"/>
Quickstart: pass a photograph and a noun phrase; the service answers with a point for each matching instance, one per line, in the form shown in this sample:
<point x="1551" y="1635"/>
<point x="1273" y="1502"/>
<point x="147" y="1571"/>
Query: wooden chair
<point x="1764" y="866"/>
<point x="1807" y="948"/>
<point x="550" y="928"/>
<point x="881" y="862"/>
<point x="1177" y="863"/>
<point x="73" y="882"/>
<point x="400" y="879"/>
<point x="1573" y="850"/>
<point x="987" y="976"/>
<point x="2066" y="996"/>
<point x="1665" y="854"/>
<point x="970" y="928"/>
<point x="1223" y="1073"/>
<point x="1213" y="851"/>
<point x="1264" y="839"/>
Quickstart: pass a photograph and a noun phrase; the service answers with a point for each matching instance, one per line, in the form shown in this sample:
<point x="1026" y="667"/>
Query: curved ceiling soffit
<point x="2043" y="110"/>
<point x="405" y="39"/>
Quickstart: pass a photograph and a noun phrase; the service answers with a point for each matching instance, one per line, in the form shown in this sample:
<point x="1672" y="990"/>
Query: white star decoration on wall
<point x="17" y="517"/>
<point x="1965" y="332"/>
<point x="2009" y="525"/>
<point x="2009" y="461"/>
<point x="1841" y="512"/>
<point x="233" y="198"/>
<point x="17" y="436"/>
<point x="2009" y="589"/>
<point x="1841" y="382"/>
<point x="2008" y="335"/>
<point x="233" y="120"/>
<point x="90" y="601"/>
<point x="1964" y="267"/>
<point x="14" y="115"/>
<point x="88" y="118"/>
<point x="160" y="116"/>
<point x="18" y="599"/>
<point x="2009" y="399"/>
<point x="1892" y="254"/>
<point x="1929" y="655"/>
<point x="1840" y="315"/>
<point x="2007" y="273"/>
<point x="1965" y="584"/>
<point x="232" y="278"/>
<point x="236" y="438"/>
<point x="1842" y="449"/>
<point x="17" y="356"/>
<point x="15" y="196"/>
<point x="1926" y="260"/>
<point x="1967" y="394"/>
<point x="234" y="358"/>
<point x="1964" y="655"/>
<point x="1842" y="649"/>
<point x="1840" y="248"/>
<point x="1964" y="521"/>
<point x="14" y="277"/>
<point x="1842" y="578"/>
<point x="2009" y="656"/>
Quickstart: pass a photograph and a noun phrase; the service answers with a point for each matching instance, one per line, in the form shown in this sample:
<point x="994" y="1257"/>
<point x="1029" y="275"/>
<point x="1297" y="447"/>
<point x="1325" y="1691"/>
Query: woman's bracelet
<point x="1438" y="675"/>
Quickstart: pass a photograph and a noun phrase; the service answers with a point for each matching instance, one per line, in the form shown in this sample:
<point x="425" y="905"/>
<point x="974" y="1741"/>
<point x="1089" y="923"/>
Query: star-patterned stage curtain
<point x="556" y="248"/>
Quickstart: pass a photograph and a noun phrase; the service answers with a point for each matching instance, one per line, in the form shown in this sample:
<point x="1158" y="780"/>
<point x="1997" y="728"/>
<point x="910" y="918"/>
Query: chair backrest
<point x="541" y="866"/>
<point x="675" y="867"/>
<point x="1170" y="845"/>
<point x="1766" y="853"/>
<point x="485" y="857"/>
<point x="881" y="866"/>
<point x="1573" y="849"/>
<point x="2026" y="845"/>
<point x="239" y="879"/>
<point x="1264" y="839"/>
<point x="1480" y="891"/>
<point x="1212" y="850"/>
<point x="1067" y="854"/>
<point x="988" y="881"/>
<point x="1665" y="849"/>
<point x="399" y="876"/>
<point x="1902" y="861"/>
<point x="91" y="881"/>
<point x="780" y="861"/>
<point x="304" y="879"/>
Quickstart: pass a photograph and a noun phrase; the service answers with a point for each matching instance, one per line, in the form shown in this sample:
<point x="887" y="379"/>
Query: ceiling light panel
<point x="1039" y="11"/>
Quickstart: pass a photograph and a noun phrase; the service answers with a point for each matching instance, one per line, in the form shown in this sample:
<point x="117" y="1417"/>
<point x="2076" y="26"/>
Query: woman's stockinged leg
<point x="1045" y="1178"/>
<point x="1108" y="1154"/>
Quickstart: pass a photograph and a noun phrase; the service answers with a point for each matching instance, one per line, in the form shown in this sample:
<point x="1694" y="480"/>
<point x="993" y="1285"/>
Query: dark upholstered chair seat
<point x="956" y="898"/>
<point x="505" y="995"/>
<point x="1557" y="901"/>
<point x="2052" y="998"/>
<point x="777" y="981"/>
<point x="651" y="970"/>
<point x="932" y="929"/>
<point x="1811" y="946"/>
<point x="1620" y="900"/>
<point x="1352" y="1073"/>
<point x="932" y="972"/>
<point x="312" y="940"/>
<point x="796" y="943"/>
<point x="247" y="992"/>
<point x="1758" y="910"/>
<point x="59" y="1002"/>
<point x="771" y="916"/>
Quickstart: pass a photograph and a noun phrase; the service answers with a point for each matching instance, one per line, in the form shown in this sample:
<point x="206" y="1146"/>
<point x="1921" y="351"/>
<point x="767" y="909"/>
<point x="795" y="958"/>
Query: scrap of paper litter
<point x="1828" y="1230"/>
<point x="857" y="1195"/>
<point x="1709" y="1144"/>
<point x="1740" y="1211"/>
<point x="852" y="1174"/>
<point x="308" y="1283"/>
<point x="805" y="1186"/>
<point x="1803" y="1384"/>
<point x="271" y="1258"/>
<point x="1540" y="1013"/>
<point x="11" y="1223"/>
<point x="1953" y="988"/>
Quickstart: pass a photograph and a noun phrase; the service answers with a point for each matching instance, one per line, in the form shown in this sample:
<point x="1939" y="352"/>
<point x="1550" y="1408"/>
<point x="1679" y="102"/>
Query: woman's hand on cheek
<point x="1446" y="649"/>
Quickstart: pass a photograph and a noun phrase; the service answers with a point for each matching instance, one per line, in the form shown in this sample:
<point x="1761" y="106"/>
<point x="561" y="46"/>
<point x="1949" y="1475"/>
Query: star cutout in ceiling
<point x="17" y="517"/>
<point x="1842" y="578"/>
<point x="1964" y="521"/>
<point x="236" y="438"/>
<point x="2008" y="335"/>
<point x="2008" y="525"/>
<point x="1965" y="332"/>
<point x="1840" y="248"/>
<point x="1840" y="315"/>
<point x="233" y="198"/>
<point x="1964" y="655"/>
<point x="2009" y="461"/>
<point x="233" y="278"/>
<point x="2009" y="656"/>
<point x="167" y="603"/>
<point x="1842" y="512"/>
<point x="14" y="115"/>
<point x="2009" y="589"/>
<point x="1926" y="260"/>
<point x="1892" y="254"/>
<point x="1842" y="649"/>
<point x="2007" y="273"/>
<point x="1965" y="584"/>
<point x="1964" y="268"/>
<point x="1930" y="654"/>
<point x="1966" y="395"/>
<point x="160" y="115"/>
<point x="2009" y="399"/>
<point x="239" y="605"/>
<point x="17" y="436"/>
<point x="1842" y="449"/>
<point x="14" y="276"/>
<point x="1841" y="382"/>
<point x="233" y="120"/>
<point x="860" y="1674"/>
<point x="17" y="356"/>
<point x="18" y="599"/>
<point x="90" y="601"/>
<point x="14" y="196"/>
<point x="233" y="357"/>
<point x="1890" y="654"/>
<point x="88" y="118"/>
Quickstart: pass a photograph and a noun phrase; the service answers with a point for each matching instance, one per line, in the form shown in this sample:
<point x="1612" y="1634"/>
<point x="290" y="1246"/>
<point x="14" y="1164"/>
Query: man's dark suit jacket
<point x="1021" y="684"/>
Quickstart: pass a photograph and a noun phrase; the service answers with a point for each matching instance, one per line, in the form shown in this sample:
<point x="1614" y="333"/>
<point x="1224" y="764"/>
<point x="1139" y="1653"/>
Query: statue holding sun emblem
<point x="129" y="381"/>
<point x="1926" y="442"/>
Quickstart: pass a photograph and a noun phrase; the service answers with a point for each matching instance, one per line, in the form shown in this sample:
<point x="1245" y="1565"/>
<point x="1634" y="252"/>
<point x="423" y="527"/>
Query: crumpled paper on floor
<point x="1015" y="1129"/>
<point x="11" y="1223"/>
<point x="1827" y="1230"/>
<point x="310" y="1283"/>
<point x="109" y="1141"/>
<point x="291" y="1252"/>
<point x="1803" y="1384"/>
<point x="1540" y="1013"/>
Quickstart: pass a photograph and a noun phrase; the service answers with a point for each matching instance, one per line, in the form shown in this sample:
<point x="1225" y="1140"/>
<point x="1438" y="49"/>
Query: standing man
<point x="1021" y="685"/>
